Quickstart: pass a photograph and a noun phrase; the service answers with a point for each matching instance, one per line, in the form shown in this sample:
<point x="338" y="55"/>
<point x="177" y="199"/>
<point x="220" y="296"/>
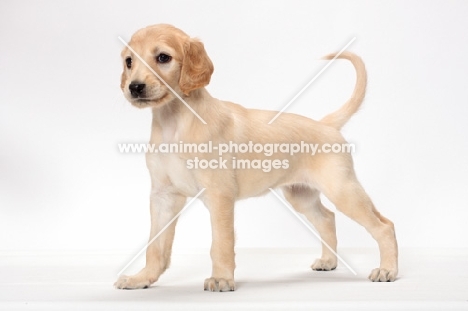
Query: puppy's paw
<point x="324" y="265"/>
<point x="137" y="281"/>
<point x="220" y="285"/>
<point x="383" y="275"/>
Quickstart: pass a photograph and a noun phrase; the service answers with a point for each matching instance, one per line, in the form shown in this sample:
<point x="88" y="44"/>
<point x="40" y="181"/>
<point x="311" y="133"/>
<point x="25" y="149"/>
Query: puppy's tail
<point x="339" y="118"/>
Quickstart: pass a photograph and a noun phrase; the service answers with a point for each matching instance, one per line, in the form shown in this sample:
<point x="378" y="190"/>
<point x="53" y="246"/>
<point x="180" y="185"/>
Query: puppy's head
<point x="165" y="51"/>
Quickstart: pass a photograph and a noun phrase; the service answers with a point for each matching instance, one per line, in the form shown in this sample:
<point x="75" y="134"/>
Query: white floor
<point x="272" y="279"/>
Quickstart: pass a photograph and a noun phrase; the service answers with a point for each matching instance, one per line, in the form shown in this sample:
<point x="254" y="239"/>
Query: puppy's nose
<point x="136" y="89"/>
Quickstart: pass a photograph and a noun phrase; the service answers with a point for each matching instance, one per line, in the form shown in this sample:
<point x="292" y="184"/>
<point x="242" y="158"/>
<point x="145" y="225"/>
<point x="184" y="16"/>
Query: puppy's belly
<point x="242" y="182"/>
<point x="256" y="182"/>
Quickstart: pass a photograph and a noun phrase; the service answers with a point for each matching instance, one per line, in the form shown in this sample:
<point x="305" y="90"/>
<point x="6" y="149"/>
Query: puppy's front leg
<point x="164" y="206"/>
<point x="222" y="248"/>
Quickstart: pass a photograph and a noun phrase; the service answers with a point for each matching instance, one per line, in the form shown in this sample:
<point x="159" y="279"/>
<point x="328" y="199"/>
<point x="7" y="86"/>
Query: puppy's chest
<point x="169" y="162"/>
<point x="173" y="166"/>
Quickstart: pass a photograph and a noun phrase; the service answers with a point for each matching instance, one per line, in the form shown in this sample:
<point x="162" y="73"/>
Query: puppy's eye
<point x="163" y="58"/>
<point x="128" y="62"/>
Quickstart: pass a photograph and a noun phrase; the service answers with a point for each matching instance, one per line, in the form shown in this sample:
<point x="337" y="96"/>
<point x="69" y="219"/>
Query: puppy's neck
<point x="165" y="121"/>
<point x="173" y="119"/>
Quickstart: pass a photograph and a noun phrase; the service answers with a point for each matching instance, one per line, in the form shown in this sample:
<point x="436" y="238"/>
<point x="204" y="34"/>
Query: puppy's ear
<point x="196" y="67"/>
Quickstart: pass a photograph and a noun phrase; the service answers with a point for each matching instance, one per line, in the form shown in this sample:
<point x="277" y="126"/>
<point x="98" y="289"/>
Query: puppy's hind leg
<point x="349" y="197"/>
<point x="306" y="201"/>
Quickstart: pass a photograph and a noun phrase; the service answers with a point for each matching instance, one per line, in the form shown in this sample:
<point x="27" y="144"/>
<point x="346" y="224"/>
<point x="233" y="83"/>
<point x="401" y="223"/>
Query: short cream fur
<point x="188" y="71"/>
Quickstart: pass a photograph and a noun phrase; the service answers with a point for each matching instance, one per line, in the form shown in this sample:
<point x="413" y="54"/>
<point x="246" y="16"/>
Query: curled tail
<point x="339" y="118"/>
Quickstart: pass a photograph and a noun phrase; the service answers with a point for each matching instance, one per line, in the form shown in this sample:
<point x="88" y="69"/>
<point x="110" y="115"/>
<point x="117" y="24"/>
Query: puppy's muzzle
<point x="137" y="90"/>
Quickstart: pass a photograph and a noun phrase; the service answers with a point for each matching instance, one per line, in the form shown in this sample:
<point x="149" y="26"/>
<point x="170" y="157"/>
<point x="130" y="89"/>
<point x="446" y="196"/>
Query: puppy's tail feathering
<point x="339" y="118"/>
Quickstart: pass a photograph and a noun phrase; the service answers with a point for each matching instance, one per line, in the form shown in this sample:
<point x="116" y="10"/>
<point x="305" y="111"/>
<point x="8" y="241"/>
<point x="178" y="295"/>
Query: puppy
<point x="184" y="68"/>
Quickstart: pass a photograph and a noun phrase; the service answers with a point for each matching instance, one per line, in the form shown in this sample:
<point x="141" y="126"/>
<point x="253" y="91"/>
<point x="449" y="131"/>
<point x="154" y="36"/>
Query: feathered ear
<point x="196" y="67"/>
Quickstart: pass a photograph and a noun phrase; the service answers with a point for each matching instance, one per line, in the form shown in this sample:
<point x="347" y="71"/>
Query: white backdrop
<point x="65" y="186"/>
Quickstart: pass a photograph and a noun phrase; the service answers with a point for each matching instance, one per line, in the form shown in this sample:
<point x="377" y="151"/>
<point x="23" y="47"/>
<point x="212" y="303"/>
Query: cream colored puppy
<point x="184" y="65"/>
